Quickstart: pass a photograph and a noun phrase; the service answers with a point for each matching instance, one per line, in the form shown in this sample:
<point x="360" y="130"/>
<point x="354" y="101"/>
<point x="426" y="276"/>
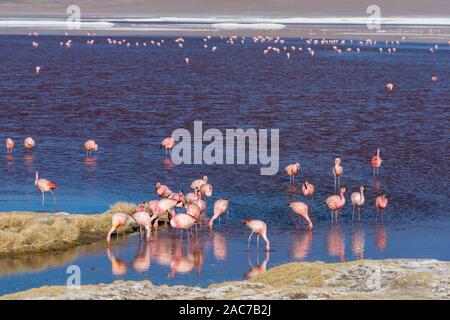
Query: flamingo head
<point x="205" y="178"/>
<point x="245" y="221"/>
<point x="289" y="204"/>
<point x="337" y="161"/>
<point x="343" y="190"/>
<point x="157" y="185"/>
<point x="297" y="165"/>
<point x="362" y="187"/>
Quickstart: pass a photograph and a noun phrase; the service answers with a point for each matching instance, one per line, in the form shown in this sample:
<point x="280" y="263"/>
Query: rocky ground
<point x="364" y="279"/>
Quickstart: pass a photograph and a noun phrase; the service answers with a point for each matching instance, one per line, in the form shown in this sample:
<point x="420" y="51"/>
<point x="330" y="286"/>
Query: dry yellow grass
<point x="27" y="232"/>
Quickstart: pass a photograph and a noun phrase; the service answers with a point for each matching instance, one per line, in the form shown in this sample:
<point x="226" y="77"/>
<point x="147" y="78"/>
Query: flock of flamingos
<point x="194" y="204"/>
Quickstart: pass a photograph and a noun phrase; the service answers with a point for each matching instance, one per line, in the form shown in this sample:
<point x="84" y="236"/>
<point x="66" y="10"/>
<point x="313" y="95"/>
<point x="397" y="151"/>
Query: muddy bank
<point x="364" y="279"/>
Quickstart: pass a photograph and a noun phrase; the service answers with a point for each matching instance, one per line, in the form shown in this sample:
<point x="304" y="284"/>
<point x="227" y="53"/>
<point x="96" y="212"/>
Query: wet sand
<point x="363" y="279"/>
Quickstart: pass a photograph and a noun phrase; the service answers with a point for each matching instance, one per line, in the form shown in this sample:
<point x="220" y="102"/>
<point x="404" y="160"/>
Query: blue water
<point x="325" y="106"/>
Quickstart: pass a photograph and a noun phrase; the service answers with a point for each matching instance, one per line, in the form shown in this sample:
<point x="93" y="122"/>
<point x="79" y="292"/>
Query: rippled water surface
<point x="325" y="106"/>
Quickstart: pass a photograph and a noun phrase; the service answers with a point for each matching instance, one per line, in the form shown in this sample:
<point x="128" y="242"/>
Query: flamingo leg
<point x="296" y="224"/>
<point x="353" y="212"/>
<point x="248" y="245"/>
<point x="54" y="200"/>
<point x="108" y="238"/>
<point x="257" y="243"/>
<point x="359" y="214"/>
<point x="43" y="200"/>
<point x="335" y="184"/>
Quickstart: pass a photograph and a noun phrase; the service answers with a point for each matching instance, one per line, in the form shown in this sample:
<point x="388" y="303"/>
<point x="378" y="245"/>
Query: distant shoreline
<point x="420" y="34"/>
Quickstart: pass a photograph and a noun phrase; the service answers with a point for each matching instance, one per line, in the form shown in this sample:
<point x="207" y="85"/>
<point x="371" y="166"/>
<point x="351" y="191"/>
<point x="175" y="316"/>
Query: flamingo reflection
<point x="259" y="268"/>
<point x="186" y="263"/>
<point x="28" y="159"/>
<point x="141" y="262"/>
<point x="118" y="267"/>
<point x="219" y="246"/>
<point x="358" y="243"/>
<point x="336" y="243"/>
<point x="90" y="162"/>
<point x="168" y="163"/>
<point x="301" y="245"/>
<point x="381" y="237"/>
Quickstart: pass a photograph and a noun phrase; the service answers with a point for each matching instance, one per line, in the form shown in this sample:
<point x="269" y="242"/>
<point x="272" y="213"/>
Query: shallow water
<point x="325" y="106"/>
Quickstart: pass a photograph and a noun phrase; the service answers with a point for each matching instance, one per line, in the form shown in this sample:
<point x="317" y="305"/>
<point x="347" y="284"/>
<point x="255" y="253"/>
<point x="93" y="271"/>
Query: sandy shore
<point x="363" y="279"/>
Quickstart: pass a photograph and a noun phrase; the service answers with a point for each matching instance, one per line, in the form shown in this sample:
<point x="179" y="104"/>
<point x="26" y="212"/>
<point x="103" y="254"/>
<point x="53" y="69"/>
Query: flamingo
<point x="301" y="209"/>
<point x="38" y="70"/>
<point x="381" y="203"/>
<point x="336" y="202"/>
<point x="376" y="162"/>
<point x="338" y="171"/>
<point x="168" y="144"/>
<point x="142" y="218"/>
<point x="260" y="228"/>
<point x="434" y="78"/>
<point x="206" y="190"/>
<point x="390" y="87"/>
<point x="357" y="199"/>
<point x="90" y="146"/>
<point x="45" y="185"/>
<point x="196" y="184"/>
<point x="307" y="189"/>
<point x="162" y="190"/>
<point x="186" y="60"/>
<point x="118" y="219"/>
<point x="29" y="143"/>
<point x="9" y="145"/>
<point x="220" y="206"/>
<point x="183" y="221"/>
<point x="291" y="170"/>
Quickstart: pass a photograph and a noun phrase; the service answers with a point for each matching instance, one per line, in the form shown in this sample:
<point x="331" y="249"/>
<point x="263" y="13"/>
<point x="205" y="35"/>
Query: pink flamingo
<point x="191" y="197"/>
<point x="336" y="202"/>
<point x="162" y="190"/>
<point x="186" y="60"/>
<point x="178" y="196"/>
<point x="357" y="199"/>
<point x="301" y="209"/>
<point x="9" y="145"/>
<point x="29" y="143"/>
<point x="220" y="206"/>
<point x="390" y="87"/>
<point x="375" y="162"/>
<point x="338" y="171"/>
<point x="196" y="184"/>
<point x="381" y="203"/>
<point x="183" y="221"/>
<point x="118" y="219"/>
<point x="168" y="144"/>
<point x="142" y="218"/>
<point x="260" y="228"/>
<point x="193" y="210"/>
<point x="90" y="146"/>
<point x="45" y="185"/>
<point x="434" y="78"/>
<point x="206" y="190"/>
<point x="291" y="170"/>
<point x="307" y="189"/>
<point x="38" y="70"/>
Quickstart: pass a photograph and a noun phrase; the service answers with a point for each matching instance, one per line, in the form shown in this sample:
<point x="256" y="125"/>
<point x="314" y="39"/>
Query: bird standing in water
<point x="260" y="228"/>
<point x="381" y="203"/>
<point x="357" y="199"/>
<point x="9" y="145"/>
<point x="307" y="190"/>
<point x="301" y="209"/>
<point x="167" y="144"/>
<point x="338" y="171"/>
<point x="291" y="170"/>
<point x="336" y="202"/>
<point x="376" y="162"/>
<point x="29" y="143"/>
<point x="45" y="185"/>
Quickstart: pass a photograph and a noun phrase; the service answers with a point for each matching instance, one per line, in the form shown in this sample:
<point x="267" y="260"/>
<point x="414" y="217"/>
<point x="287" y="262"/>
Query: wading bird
<point x="291" y="170"/>
<point x="260" y="228"/>
<point x="390" y="87"/>
<point x="307" y="189"/>
<point x="357" y="199"/>
<point x="220" y="206"/>
<point x="381" y="203"/>
<point x="45" y="185"/>
<point x="196" y="184"/>
<point x="167" y="144"/>
<point x="29" y="143"/>
<point x="9" y="145"/>
<point x="338" y="171"/>
<point x="336" y="202"/>
<point x="118" y="219"/>
<point x="90" y="146"/>
<point x="301" y="209"/>
<point x="376" y="162"/>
